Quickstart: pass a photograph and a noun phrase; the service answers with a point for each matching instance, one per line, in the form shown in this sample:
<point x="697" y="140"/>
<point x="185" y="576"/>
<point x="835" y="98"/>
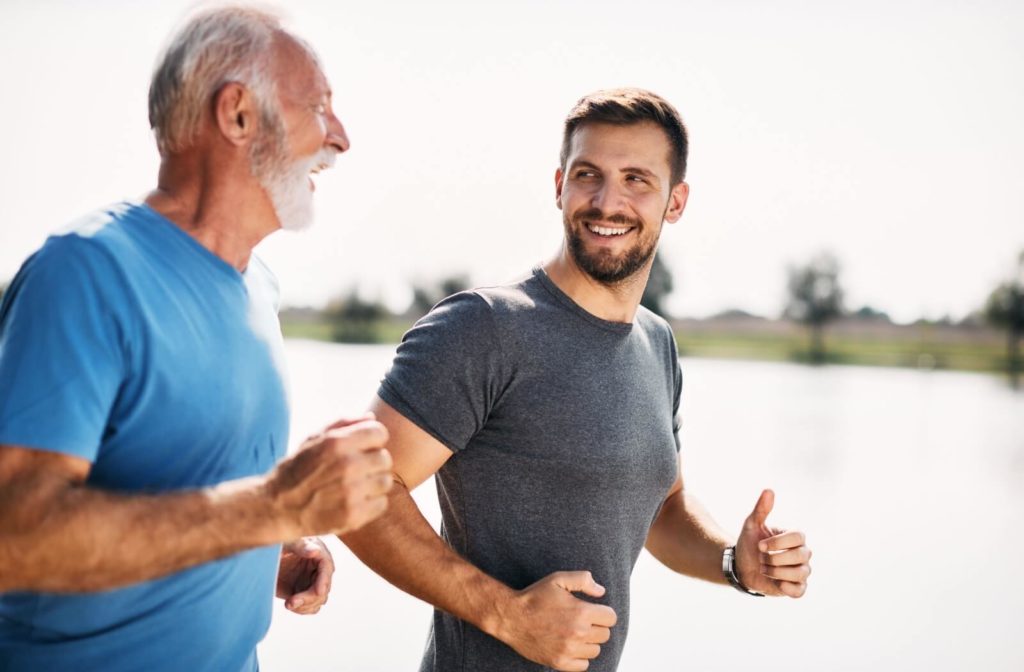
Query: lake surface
<point x="909" y="485"/>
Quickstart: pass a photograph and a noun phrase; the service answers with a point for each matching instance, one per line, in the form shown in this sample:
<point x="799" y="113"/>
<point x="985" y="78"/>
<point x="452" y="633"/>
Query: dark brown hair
<point x="628" y="106"/>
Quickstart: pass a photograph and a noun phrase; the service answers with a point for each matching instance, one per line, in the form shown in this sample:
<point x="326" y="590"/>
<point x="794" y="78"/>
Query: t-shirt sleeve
<point x="449" y="372"/>
<point x="61" y="355"/>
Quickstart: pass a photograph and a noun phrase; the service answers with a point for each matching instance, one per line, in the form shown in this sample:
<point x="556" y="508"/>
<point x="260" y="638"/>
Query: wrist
<point x="498" y="612"/>
<point x="256" y="510"/>
<point x="730" y="574"/>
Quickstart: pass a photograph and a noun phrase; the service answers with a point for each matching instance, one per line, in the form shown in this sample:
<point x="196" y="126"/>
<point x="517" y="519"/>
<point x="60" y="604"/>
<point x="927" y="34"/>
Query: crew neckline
<point x="573" y="307"/>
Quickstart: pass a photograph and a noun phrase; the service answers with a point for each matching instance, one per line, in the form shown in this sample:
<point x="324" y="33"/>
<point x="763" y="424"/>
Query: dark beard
<point x="604" y="267"/>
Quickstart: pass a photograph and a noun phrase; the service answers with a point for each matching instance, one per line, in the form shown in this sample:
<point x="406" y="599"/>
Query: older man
<point x="549" y="410"/>
<point x="142" y="401"/>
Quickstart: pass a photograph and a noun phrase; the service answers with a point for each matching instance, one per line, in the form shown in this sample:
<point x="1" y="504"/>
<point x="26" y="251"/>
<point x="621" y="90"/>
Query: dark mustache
<point x="595" y="215"/>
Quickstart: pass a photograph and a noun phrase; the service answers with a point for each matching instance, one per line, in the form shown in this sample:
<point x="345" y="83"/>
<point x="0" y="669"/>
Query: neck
<point x="222" y="207"/>
<point x="615" y="303"/>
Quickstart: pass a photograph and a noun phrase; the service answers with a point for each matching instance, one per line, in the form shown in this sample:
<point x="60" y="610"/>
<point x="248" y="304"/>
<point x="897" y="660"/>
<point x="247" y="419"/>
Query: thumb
<point x="763" y="507"/>
<point x="579" y="582"/>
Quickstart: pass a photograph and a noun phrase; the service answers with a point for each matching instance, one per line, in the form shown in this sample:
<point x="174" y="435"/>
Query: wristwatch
<point x="729" y="570"/>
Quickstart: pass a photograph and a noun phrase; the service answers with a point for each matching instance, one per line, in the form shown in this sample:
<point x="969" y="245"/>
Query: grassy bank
<point x="925" y="346"/>
<point x="847" y="350"/>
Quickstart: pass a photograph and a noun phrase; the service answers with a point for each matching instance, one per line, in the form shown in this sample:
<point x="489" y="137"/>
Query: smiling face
<point x="301" y="137"/>
<point x="614" y="193"/>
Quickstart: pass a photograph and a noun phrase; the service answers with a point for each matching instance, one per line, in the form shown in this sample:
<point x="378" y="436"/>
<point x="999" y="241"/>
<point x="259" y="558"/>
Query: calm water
<point x="908" y="484"/>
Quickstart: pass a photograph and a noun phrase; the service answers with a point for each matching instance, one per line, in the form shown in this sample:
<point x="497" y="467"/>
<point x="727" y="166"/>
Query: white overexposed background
<point x="888" y="132"/>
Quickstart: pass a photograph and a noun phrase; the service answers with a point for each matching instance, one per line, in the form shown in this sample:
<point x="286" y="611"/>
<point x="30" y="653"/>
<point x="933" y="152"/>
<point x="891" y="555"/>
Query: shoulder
<point x="70" y="260"/>
<point x="654" y="324"/>
<point x="488" y="303"/>
<point x="96" y="239"/>
<point x="76" y="270"/>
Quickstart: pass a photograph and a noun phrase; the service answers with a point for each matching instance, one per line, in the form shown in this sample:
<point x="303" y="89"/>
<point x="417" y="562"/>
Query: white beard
<point x="290" y="191"/>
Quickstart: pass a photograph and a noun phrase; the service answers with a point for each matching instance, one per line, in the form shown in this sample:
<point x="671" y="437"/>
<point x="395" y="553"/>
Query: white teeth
<point x="606" y="231"/>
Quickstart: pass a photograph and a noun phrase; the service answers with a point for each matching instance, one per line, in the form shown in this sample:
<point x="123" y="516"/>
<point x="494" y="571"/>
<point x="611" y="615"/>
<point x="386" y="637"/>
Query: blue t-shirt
<point x="127" y="343"/>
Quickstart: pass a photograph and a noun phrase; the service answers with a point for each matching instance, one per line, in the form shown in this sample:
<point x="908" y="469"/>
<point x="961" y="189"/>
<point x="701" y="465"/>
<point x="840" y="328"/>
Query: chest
<point x="596" y="420"/>
<point x="204" y="398"/>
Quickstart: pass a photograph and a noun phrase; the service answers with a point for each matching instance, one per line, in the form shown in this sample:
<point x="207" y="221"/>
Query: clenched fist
<point x="337" y="482"/>
<point x="549" y="625"/>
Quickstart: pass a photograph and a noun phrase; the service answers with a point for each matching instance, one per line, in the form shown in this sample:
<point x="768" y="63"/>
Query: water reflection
<point x="907" y="482"/>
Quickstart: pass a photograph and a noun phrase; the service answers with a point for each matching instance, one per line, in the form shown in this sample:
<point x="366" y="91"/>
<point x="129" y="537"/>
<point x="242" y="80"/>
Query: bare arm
<point x="404" y="549"/>
<point x="687" y="540"/>
<point x="58" y="534"/>
<point x="544" y="622"/>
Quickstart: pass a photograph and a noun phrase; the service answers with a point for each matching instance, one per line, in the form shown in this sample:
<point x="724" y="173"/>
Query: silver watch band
<point x="729" y="570"/>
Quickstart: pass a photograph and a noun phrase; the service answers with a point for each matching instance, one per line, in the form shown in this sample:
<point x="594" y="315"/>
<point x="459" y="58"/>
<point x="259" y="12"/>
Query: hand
<point x="304" y="578"/>
<point x="337" y="482"/>
<point x="551" y="627"/>
<point x="770" y="560"/>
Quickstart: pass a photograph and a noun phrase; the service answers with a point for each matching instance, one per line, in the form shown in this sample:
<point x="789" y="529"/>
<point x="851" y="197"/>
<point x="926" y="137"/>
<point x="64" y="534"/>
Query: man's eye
<point x="320" y="108"/>
<point x="636" y="178"/>
<point x="585" y="174"/>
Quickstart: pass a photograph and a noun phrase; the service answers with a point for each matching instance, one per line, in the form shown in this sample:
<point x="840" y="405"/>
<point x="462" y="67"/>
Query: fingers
<point x="782" y="542"/>
<point x="579" y="658"/>
<point x="588" y="651"/>
<point x="598" y="634"/>
<point x="360" y="435"/>
<point x="305" y="603"/>
<point x="797" y="574"/>
<point x="795" y="590"/>
<point x="764" y="506"/>
<point x="338" y="424"/>
<point x="786" y="560"/>
<point x="579" y="582"/>
<point x="362" y="513"/>
<point x="337" y="482"/>
<point x="315" y="573"/>
<point x="794" y="556"/>
<point x="324" y="575"/>
<point x="602" y="615"/>
<point x="371" y="468"/>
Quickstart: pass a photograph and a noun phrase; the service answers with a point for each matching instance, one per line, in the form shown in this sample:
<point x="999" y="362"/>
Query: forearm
<point x="61" y="537"/>
<point x="687" y="540"/>
<point x="404" y="549"/>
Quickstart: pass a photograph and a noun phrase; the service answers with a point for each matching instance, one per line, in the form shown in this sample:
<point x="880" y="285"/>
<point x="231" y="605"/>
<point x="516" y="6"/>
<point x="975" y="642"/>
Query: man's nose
<point x="336" y="136"/>
<point x="608" y="198"/>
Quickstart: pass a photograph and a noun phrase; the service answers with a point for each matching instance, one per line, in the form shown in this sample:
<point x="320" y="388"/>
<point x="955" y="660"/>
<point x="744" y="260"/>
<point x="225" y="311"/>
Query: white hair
<point x="213" y="48"/>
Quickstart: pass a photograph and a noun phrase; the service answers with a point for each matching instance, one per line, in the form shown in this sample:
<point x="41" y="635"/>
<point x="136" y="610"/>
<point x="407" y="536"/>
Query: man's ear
<point x="677" y="202"/>
<point x="235" y="113"/>
<point x="559" y="177"/>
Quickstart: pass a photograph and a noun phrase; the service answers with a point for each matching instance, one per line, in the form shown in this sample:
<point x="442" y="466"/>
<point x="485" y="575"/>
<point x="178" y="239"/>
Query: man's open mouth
<point x="609" y="231"/>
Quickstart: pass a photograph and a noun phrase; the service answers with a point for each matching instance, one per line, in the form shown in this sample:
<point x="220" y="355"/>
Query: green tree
<point x="354" y="320"/>
<point x="426" y="296"/>
<point x="659" y="286"/>
<point x="1005" y="309"/>
<point x="815" y="299"/>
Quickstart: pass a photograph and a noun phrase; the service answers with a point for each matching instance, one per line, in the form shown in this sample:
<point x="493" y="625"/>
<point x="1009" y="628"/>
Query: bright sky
<point x="887" y="132"/>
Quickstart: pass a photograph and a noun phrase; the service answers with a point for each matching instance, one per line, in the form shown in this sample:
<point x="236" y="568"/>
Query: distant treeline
<point x="816" y="302"/>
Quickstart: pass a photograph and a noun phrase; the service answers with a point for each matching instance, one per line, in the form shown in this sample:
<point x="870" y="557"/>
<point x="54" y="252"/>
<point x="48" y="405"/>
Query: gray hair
<point x="215" y="47"/>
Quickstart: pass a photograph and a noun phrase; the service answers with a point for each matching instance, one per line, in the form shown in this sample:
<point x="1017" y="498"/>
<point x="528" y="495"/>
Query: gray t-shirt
<point x="564" y="433"/>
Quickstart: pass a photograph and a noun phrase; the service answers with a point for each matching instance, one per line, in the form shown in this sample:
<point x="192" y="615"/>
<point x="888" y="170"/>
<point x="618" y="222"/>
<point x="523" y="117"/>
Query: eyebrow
<point x="583" y="163"/>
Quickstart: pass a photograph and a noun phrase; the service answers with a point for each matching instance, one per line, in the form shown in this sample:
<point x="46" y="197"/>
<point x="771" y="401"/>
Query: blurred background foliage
<point x="814" y="326"/>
